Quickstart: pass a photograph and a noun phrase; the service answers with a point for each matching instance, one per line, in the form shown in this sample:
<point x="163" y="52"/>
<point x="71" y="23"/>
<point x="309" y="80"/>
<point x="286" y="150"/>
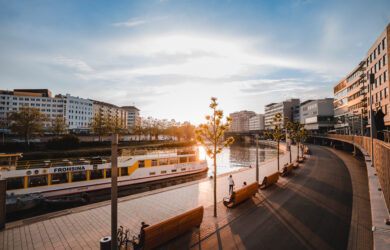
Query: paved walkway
<point x="325" y="206"/>
<point x="82" y="228"/>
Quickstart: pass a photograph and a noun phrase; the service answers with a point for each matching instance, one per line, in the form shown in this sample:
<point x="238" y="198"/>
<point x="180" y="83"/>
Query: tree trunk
<point x="278" y="156"/>
<point x="297" y="151"/>
<point x="215" y="183"/>
<point x="26" y="142"/>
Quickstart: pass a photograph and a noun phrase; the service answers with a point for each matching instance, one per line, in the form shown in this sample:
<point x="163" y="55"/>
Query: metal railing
<point x="381" y="159"/>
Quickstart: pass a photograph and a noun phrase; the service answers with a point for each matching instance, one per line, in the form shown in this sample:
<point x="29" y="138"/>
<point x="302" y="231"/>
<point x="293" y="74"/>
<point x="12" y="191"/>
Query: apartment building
<point x="376" y="61"/>
<point x="133" y="114"/>
<point x="256" y="122"/>
<point x="240" y="120"/>
<point x="78" y="113"/>
<point x="110" y="111"/>
<point x="36" y="98"/>
<point x="287" y="108"/>
<point x="351" y="99"/>
<point x="317" y="115"/>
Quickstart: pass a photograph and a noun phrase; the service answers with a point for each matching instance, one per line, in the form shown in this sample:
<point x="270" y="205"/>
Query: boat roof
<point x="3" y="155"/>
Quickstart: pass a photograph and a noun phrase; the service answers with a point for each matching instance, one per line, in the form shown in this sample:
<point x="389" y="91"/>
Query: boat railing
<point x="31" y="164"/>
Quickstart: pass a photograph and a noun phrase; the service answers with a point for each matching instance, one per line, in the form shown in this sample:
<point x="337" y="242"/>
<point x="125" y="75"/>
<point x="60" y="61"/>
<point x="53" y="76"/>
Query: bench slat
<point x="269" y="180"/>
<point x="168" y="229"/>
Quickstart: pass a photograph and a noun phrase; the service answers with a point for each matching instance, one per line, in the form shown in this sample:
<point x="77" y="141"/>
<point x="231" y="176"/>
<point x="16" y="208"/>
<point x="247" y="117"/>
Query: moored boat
<point x="66" y="177"/>
<point x="16" y="203"/>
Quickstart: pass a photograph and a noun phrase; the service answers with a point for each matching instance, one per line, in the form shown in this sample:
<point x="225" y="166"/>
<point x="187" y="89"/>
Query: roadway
<point x="324" y="206"/>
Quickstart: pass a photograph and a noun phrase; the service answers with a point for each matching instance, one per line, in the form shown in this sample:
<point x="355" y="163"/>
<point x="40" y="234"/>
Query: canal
<point x="236" y="157"/>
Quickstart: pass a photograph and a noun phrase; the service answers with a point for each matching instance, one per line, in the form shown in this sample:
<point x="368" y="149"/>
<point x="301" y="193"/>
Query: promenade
<point x="82" y="228"/>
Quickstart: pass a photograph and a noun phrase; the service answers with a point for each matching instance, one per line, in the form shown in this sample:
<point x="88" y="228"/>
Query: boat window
<point x="96" y="174"/>
<point x="183" y="159"/>
<point x="79" y="176"/>
<point x="192" y="158"/>
<point x="152" y="173"/>
<point x="154" y="163"/>
<point x="163" y="161"/>
<point x="37" y="180"/>
<point x="173" y="161"/>
<point x="15" y="183"/>
<point x="173" y="170"/>
<point x="163" y="172"/>
<point x="141" y="164"/>
<point x="59" y="178"/>
<point x="124" y="171"/>
<point x="183" y="169"/>
<point x="108" y="173"/>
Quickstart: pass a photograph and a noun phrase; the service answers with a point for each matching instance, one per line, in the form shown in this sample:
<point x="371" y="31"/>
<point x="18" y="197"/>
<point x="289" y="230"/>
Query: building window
<point x="386" y="92"/>
<point x="384" y="43"/>
<point x="379" y="49"/>
<point x="384" y="60"/>
<point x="380" y="95"/>
<point x="385" y="76"/>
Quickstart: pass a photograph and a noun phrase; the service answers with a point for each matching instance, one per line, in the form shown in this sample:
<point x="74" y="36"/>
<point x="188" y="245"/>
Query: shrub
<point x="66" y="142"/>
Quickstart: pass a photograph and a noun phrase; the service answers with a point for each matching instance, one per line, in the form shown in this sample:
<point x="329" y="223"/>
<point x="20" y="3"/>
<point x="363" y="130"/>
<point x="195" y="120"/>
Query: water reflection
<point x="239" y="156"/>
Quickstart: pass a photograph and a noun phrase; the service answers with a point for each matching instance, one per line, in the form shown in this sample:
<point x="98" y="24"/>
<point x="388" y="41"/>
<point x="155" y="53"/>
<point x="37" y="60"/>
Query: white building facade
<point x="39" y="99"/>
<point x="78" y="113"/>
<point x="286" y="108"/>
<point x="317" y="114"/>
<point x="132" y="115"/>
<point x="256" y="122"/>
<point x="240" y="121"/>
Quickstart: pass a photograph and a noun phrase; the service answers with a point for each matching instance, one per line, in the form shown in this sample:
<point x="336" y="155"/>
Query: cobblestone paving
<point x="82" y="228"/>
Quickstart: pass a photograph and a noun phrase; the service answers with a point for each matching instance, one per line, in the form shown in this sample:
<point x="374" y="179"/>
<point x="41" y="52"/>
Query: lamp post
<point x="372" y="79"/>
<point x="114" y="191"/>
<point x="257" y="158"/>
<point x="353" y="133"/>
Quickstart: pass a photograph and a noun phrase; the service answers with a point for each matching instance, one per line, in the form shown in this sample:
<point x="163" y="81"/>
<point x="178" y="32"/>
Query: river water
<point x="236" y="157"/>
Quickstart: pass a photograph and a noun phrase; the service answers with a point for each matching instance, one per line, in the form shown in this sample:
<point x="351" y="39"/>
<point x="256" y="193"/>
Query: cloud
<point x="130" y="23"/>
<point x="77" y="64"/>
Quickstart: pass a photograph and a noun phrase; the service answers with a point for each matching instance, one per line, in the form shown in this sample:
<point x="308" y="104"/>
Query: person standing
<point x="231" y="184"/>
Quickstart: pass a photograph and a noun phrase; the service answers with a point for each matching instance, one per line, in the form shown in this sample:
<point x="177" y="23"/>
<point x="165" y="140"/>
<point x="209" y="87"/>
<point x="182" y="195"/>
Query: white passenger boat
<point x="67" y="177"/>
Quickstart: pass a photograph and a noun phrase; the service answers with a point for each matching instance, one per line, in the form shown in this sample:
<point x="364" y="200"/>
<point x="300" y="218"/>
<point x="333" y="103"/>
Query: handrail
<point x="381" y="153"/>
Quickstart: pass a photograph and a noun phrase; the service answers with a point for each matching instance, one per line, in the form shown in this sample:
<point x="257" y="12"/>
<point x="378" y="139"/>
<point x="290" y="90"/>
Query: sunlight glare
<point x="202" y="152"/>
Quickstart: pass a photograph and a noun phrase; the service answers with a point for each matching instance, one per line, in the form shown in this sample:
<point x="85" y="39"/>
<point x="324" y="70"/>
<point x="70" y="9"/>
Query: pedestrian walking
<point x="231" y="184"/>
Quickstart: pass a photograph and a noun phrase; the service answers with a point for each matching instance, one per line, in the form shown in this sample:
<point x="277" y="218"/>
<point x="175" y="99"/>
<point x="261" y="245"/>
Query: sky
<point x="169" y="57"/>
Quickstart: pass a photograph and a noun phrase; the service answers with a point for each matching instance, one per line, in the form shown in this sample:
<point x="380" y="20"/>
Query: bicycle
<point x="123" y="237"/>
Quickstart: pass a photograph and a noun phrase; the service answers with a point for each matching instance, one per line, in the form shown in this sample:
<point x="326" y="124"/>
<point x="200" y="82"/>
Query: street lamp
<point x="372" y="79"/>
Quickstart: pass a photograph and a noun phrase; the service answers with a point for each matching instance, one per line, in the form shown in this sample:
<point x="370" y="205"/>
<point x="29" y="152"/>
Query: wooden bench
<point x="168" y="229"/>
<point x="306" y="150"/>
<point x="296" y="164"/>
<point x="287" y="169"/>
<point x="269" y="180"/>
<point x="241" y="195"/>
<point x="301" y="159"/>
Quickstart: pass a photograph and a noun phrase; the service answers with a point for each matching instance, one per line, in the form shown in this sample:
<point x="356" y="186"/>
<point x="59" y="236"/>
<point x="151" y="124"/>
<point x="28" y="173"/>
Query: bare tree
<point x="277" y="134"/>
<point x="210" y="135"/>
<point x="27" y="122"/>
<point x="58" y="125"/>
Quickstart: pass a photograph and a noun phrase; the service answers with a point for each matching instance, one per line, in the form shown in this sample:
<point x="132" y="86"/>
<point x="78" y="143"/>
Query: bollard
<point x="105" y="243"/>
<point x="3" y="197"/>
